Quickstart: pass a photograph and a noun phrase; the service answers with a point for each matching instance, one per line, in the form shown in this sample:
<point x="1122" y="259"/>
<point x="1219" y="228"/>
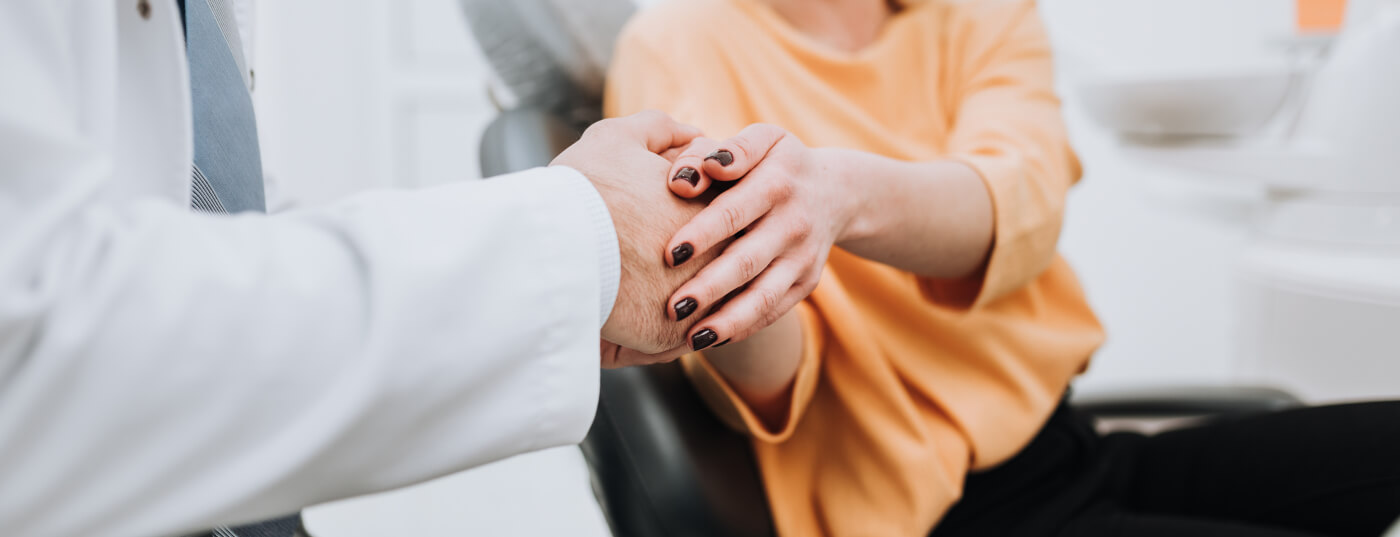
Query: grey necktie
<point x="227" y="175"/>
<point x="227" y="169"/>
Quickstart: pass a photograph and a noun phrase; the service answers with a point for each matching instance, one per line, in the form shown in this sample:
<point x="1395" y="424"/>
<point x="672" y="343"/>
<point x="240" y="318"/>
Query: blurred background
<point x="1218" y="247"/>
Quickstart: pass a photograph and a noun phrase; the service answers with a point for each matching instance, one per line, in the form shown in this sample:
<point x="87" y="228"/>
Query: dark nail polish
<point x="688" y="175"/>
<point x="723" y="343"/>
<point x="722" y="156"/>
<point x="681" y="254"/>
<point x="685" y="307"/>
<point x="703" y="339"/>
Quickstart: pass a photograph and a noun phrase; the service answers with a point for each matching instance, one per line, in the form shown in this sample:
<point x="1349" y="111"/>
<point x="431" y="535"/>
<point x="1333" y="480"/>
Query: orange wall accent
<point x="1320" y="15"/>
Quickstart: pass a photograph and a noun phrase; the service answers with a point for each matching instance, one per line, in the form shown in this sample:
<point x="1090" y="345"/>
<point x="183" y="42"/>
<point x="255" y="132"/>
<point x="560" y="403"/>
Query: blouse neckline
<point x="770" y="18"/>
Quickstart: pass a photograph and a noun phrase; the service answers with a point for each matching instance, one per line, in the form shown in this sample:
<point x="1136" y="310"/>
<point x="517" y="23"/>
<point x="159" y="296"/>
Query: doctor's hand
<point x="623" y="158"/>
<point x="785" y="214"/>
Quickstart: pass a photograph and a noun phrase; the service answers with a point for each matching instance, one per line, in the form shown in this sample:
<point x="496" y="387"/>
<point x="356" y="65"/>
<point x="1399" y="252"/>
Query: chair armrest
<point x="1165" y="402"/>
<point x="523" y="138"/>
<point x="665" y="466"/>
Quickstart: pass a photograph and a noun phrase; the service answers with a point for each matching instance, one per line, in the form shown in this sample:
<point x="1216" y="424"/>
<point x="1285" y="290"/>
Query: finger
<point x="727" y="215"/>
<point x="657" y="131"/>
<point x="687" y="178"/>
<point x="741" y="262"/>
<point x="735" y="157"/>
<point x="616" y="356"/>
<point x="672" y="153"/>
<point x="768" y="298"/>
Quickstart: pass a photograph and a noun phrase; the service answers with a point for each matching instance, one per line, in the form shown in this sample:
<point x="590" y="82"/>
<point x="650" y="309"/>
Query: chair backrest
<point x="550" y="54"/>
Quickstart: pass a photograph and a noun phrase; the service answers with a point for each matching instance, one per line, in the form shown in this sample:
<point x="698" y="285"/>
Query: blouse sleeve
<point x="1007" y="126"/>
<point x="736" y="413"/>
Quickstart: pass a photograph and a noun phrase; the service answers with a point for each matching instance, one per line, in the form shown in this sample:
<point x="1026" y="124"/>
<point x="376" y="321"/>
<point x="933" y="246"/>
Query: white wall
<point x="1156" y="247"/>
<point x="356" y="94"/>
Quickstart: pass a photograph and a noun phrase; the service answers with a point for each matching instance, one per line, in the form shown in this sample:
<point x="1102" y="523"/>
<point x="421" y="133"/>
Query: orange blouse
<point x="906" y="383"/>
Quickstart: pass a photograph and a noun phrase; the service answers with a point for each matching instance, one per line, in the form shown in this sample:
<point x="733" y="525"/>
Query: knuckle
<point x="602" y="127"/>
<point x="800" y="231"/>
<point x="782" y="188"/>
<point x="807" y="282"/>
<point x="747" y="265"/>
<point x="706" y="294"/>
<point x="767" y="319"/>
<point x="733" y="219"/>
<point x="594" y="129"/>
<point x="768" y="300"/>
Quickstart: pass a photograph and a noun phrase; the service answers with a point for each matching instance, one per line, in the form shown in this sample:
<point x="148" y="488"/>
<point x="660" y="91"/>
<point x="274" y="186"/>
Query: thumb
<point x="615" y="356"/>
<point x="658" y="131"/>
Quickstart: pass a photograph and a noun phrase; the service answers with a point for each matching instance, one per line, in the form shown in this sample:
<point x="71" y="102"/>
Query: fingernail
<point x="723" y="343"/>
<point x="722" y="156"/>
<point x="688" y="175"/>
<point x="685" y="307"/>
<point x="703" y="339"/>
<point x="681" y="254"/>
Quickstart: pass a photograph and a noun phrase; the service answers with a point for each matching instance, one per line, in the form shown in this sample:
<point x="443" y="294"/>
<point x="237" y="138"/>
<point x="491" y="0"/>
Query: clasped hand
<point x="784" y="206"/>
<point x="733" y="255"/>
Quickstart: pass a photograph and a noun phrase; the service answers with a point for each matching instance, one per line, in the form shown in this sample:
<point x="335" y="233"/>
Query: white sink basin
<point x="1170" y="106"/>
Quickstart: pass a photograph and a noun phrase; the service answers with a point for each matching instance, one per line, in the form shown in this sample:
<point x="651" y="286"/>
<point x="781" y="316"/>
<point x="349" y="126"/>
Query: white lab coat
<point x="163" y="371"/>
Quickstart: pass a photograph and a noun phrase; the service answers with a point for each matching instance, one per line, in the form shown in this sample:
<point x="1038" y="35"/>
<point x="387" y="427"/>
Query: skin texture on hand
<point x="627" y="160"/>
<point x="789" y="204"/>
<point x="793" y="204"/>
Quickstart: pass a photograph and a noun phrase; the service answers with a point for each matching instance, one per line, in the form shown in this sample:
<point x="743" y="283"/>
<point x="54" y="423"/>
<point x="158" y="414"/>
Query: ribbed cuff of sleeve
<point x="609" y="256"/>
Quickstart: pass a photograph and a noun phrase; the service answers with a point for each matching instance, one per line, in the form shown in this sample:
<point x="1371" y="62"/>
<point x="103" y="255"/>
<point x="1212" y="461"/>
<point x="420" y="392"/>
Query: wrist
<point x="851" y="193"/>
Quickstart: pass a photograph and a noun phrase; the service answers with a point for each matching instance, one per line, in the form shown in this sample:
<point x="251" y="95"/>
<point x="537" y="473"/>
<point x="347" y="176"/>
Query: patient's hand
<point x="791" y="206"/>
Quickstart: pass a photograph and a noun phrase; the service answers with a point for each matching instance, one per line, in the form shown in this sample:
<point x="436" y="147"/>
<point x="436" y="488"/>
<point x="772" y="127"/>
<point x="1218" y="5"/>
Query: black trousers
<point x="1312" y="472"/>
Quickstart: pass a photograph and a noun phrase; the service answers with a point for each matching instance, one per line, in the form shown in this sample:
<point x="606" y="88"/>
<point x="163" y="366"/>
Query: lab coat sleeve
<point x="163" y="371"/>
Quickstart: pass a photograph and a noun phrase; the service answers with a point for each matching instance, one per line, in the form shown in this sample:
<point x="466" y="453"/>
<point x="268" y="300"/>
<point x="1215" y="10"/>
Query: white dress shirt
<point x="163" y="371"/>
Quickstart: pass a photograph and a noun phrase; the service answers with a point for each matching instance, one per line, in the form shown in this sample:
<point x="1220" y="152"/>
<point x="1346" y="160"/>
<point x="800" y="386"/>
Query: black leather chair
<point x="664" y="466"/>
